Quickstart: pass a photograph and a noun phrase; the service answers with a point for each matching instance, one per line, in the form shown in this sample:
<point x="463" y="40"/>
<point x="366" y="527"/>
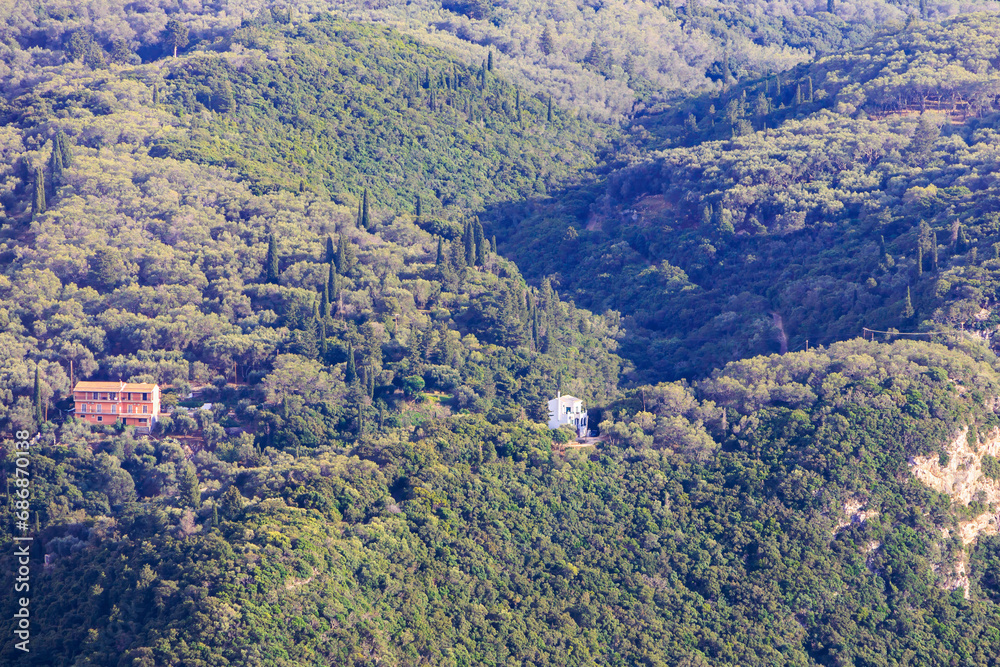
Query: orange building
<point x="109" y="402"/>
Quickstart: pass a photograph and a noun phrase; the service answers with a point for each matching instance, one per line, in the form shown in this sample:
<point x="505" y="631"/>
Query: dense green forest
<point x="832" y="204"/>
<point x="376" y="240"/>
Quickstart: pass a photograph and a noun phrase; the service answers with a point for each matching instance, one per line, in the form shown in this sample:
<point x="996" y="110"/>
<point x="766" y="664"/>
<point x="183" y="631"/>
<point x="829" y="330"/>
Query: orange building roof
<point x="114" y="386"/>
<point x="99" y="386"/>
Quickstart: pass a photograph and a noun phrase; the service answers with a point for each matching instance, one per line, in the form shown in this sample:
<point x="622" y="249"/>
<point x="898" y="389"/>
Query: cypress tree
<point x="332" y="288"/>
<point x="489" y="60"/>
<point x="38" y="203"/>
<point x="324" y="300"/>
<point x="809" y="81"/>
<point x="419" y="208"/>
<point x="440" y="252"/>
<point x="534" y="328"/>
<point x="272" y="259"/>
<point x="156" y="94"/>
<point x="934" y="251"/>
<point x="480" y="240"/>
<point x="920" y="260"/>
<point x="798" y="94"/>
<point x="831" y="6"/>
<point x="215" y="515"/>
<point x="517" y="104"/>
<point x="908" y="311"/>
<point x="331" y="249"/>
<point x="341" y="254"/>
<point x="470" y="245"/>
<point x="36" y="398"/>
<point x="549" y="114"/>
<point x="351" y="375"/>
<point x="323" y="345"/>
<point x="65" y="150"/>
<point x="365" y="216"/>
<point x="493" y="244"/>
<point x="55" y="160"/>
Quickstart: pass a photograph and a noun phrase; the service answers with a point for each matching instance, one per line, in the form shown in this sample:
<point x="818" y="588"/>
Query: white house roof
<point x="565" y="399"/>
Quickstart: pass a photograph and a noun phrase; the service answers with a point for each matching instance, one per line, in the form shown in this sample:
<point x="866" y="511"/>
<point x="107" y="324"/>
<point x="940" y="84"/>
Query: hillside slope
<point x="835" y="215"/>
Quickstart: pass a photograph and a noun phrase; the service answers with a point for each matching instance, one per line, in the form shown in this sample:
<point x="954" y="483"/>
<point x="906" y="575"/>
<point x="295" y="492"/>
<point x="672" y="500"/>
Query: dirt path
<point x="782" y="336"/>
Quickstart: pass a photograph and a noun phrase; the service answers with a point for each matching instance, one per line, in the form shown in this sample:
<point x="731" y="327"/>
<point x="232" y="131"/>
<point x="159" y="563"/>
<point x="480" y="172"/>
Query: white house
<point x="568" y="410"/>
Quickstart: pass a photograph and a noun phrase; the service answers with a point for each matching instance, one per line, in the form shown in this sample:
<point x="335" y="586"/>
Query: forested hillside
<point x="359" y="258"/>
<point x="606" y="58"/>
<point x="832" y="205"/>
<point x="766" y="517"/>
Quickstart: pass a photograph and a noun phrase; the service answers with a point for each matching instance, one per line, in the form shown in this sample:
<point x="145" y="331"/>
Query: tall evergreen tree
<point x="331" y="249"/>
<point x="480" y="240"/>
<point x="38" y="203"/>
<point x="272" y="260"/>
<point x="920" y="260"/>
<point x="934" y="251"/>
<point x="333" y="286"/>
<point x="65" y="149"/>
<point x="908" y="311"/>
<point x="470" y="245"/>
<point x="55" y="159"/>
<point x="324" y="346"/>
<point x="489" y="60"/>
<point x="365" y="215"/>
<point x="177" y="35"/>
<point x="351" y="375"/>
<point x="419" y="208"/>
<point x="440" y="252"/>
<point x="548" y="115"/>
<point x="36" y="399"/>
<point x="341" y="256"/>
<point x="831" y="6"/>
<point x="517" y="104"/>
<point x="324" y="300"/>
<point x="547" y="41"/>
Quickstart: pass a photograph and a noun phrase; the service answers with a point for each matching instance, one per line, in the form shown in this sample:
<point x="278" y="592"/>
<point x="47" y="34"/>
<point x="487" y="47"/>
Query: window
<point x="100" y="419"/>
<point x="93" y="396"/>
<point x="145" y="409"/>
<point x="111" y="396"/>
<point x="568" y="409"/>
<point x="114" y="409"/>
<point x="145" y="397"/>
<point x="142" y="421"/>
<point x="98" y="407"/>
<point x="83" y="408"/>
